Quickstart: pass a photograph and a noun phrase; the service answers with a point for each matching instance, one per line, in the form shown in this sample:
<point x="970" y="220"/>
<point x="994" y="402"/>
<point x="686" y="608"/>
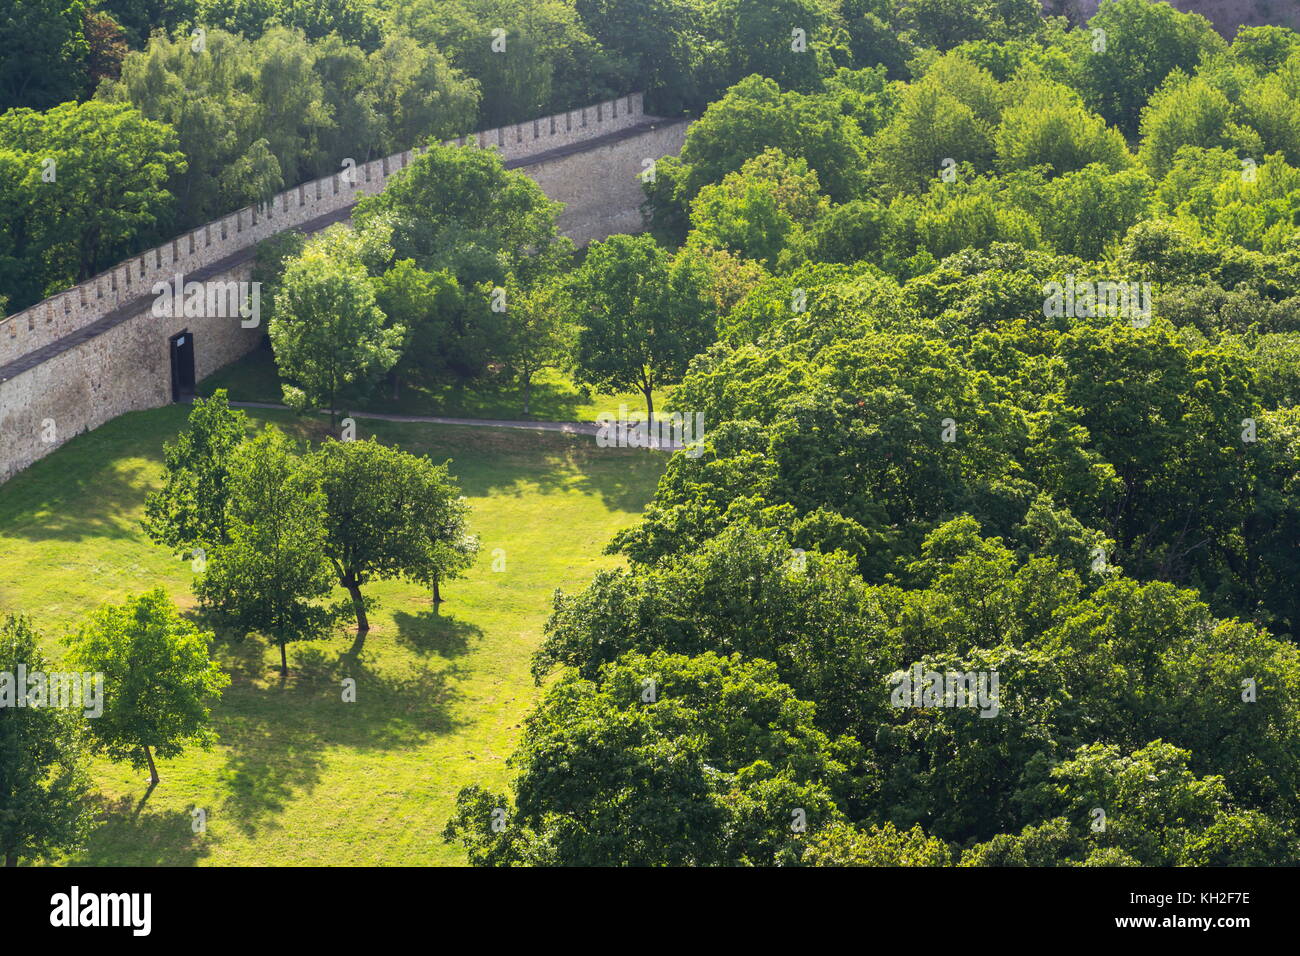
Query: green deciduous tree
<point x="159" y="681"/>
<point x="1140" y="44"/>
<point x="795" y="42"/>
<point x="210" y="99"/>
<point x="1047" y="124"/>
<point x="260" y="112"/>
<point x="1187" y="112"/>
<point x="1157" y="811"/>
<point x="426" y="305"/>
<point x="461" y="208"/>
<point x="845" y="845"/>
<point x="759" y="209"/>
<point x="460" y="212"/>
<point x="539" y="333"/>
<point x="539" y="60"/>
<point x="43" y="782"/>
<point x="326" y="329"/>
<point x="653" y="45"/>
<point x="948" y="115"/>
<point x="45" y="52"/>
<point x="190" y="510"/>
<point x="353" y="20"/>
<point x="746" y="592"/>
<point x="641" y="316"/>
<point x="142" y="17"/>
<point x="1083" y="212"/>
<point x="944" y="24"/>
<point x="756" y="115"/>
<point x="388" y="514"/>
<point x="662" y="760"/>
<point x="94" y="175"/>
<point x="272" y="573"/>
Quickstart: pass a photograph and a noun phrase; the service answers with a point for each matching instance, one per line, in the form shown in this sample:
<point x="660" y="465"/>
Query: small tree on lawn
<point x="158" y="679"/>
<point x="642" y="318"/>
<point x="273" y="571"/>
<point x="451" y="548"/>
<point x="189" y="511"/>
<point x="422" y="303"/>
<point x="327" y="331"/>
<point x="387" y="514"/>
<point x="43" y="782"/>
<point x="538" y="333"/>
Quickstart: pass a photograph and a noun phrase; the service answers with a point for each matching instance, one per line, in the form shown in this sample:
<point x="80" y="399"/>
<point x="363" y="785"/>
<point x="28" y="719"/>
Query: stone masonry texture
<point x="82" y="357"/>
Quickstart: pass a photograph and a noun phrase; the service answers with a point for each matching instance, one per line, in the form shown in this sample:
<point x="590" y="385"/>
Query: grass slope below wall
<point x="554" y="396"/>
<point x="299" y="777"/>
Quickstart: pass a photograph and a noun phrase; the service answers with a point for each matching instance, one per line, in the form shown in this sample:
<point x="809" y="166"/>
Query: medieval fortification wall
<point x="82" y="357"/>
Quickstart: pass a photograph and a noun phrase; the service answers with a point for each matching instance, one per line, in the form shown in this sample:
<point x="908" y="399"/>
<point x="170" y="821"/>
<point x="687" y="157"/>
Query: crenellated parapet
<point x="87" y="302"/>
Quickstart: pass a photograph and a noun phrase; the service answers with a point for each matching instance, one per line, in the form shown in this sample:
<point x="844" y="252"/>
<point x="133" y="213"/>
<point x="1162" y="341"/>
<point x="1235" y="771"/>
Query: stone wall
<point x="601" y="186"/>
<point x="80" y="358"/>
<point x="65" y="313"/>
<point x="123" y="369"/>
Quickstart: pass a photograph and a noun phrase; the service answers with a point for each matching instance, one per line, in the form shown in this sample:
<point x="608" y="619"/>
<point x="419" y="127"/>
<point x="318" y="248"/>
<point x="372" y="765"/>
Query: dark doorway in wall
<point x="182" y="349"/>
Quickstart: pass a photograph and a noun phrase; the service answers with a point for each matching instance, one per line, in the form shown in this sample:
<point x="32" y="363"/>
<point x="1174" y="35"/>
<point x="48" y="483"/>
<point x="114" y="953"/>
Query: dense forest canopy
<point x="994" y="322"/>
<point x="1004" y="384"/>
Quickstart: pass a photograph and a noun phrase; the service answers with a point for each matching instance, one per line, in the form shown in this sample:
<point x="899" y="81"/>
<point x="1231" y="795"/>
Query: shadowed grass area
<point x="300" y="776"/>
<point x="554" y="396"/>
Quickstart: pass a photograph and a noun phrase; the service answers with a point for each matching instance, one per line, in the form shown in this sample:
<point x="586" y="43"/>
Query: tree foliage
<point x="389" y="514"/>
<point x="159" y="681"/>
<point x="190" y="510"/>
<point x="44" y="786"/>
<point x="271" y="574"/>
<point x="640" y="316"/>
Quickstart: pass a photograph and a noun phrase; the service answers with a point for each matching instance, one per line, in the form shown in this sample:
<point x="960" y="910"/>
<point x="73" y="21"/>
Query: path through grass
<point x="299" y="776"/>
<point x="554" y="397"/>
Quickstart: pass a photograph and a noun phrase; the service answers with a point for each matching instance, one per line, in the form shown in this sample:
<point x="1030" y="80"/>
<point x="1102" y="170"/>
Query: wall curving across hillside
<point x="82" y="357"/>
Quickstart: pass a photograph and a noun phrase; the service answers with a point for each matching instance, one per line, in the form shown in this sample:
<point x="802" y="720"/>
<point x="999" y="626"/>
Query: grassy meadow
<point x="554" y="395"/>
<point x="299" y="776"/>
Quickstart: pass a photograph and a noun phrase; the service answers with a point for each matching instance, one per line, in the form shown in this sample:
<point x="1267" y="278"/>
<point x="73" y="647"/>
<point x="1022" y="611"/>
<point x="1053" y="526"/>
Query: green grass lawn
<point x="554" y="396"/>
<point x="299" y="777"/>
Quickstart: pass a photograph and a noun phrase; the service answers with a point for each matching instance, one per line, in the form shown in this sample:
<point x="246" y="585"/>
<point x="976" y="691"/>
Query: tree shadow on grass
<point x="128" y="833"/>
<point x="432" y="632"/>
<point x="243" y="657"/>
<point x="278" y="735"/>
<point x="253" y="378"/>
<point x="93" y="486"/>
<point x="496" y="462"/>
<point x="483" y="398"/>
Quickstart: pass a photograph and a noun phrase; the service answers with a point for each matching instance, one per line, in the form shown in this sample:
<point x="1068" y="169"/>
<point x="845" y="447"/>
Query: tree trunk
<point x="528" y="385"/>
<point x="153" y="770"/>
<point x="11" y="858"/>
<point x="649" y="409"/>
<point x="437" y="593"/>
<point x="284" y="664"/>
<point x="358" y="608"/>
